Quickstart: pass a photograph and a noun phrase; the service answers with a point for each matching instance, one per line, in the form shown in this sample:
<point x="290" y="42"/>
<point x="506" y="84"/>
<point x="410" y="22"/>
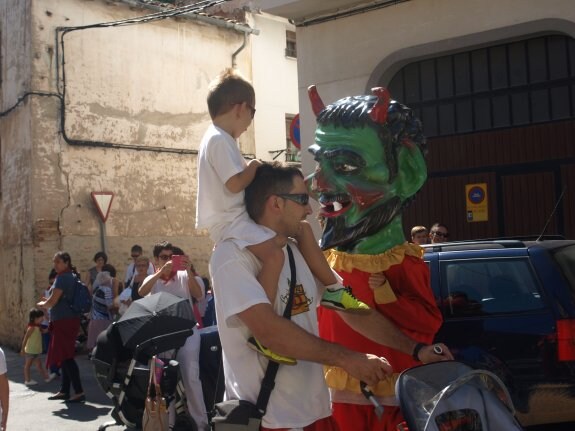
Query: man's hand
<point x="366" y="367"/>
<point x="166" y="270"/>
<point x="434" y="353"/>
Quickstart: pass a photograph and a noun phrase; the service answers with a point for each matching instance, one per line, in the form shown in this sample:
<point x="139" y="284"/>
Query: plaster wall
<point x="15" y="169"/>
<point x="350" y="55"/>
<point x="275" y="83"/>
<point x="140" y="85"/>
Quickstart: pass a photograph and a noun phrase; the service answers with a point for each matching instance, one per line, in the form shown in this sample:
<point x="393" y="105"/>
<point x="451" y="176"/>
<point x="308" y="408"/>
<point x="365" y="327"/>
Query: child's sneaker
<point x="31" y="383"/>
<point x="343" y="300"/>
<point x="51" y="377"/>
<point x="262" y="350"/>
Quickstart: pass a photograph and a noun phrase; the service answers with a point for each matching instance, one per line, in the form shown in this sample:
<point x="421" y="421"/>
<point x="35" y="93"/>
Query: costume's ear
<point x="412" y="171"/>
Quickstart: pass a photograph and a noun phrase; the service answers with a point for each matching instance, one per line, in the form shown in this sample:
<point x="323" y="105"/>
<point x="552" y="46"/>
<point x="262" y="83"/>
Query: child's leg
<point x="335" y="296"/>
<point x="40" y="368"/>
<point x="313" y="255"/>
<point x="27" y="364"/>
<point x="272" y="258"/>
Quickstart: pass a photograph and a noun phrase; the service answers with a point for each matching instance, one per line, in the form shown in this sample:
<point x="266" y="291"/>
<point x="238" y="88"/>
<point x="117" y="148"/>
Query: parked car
<point x="509" y="307"/>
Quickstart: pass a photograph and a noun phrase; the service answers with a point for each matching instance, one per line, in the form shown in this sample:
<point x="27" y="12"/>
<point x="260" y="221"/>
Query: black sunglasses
<point x="300" y="198"/>
<point x="252" y="109"/>
<point x="437" y="233"/>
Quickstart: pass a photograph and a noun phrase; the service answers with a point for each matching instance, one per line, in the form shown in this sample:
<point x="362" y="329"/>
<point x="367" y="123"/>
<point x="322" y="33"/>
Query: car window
<point x="565" y="257"/>
<point x="488" y="286"/>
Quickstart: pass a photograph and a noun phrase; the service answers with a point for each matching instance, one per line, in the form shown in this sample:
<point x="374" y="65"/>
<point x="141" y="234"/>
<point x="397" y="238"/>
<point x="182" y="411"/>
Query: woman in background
<point x="64" y="326"/>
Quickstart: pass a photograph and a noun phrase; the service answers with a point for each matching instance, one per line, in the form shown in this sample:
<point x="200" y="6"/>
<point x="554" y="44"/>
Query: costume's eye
<point x="345" y="168"/>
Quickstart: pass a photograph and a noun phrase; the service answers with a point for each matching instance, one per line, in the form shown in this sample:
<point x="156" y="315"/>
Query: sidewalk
<point x="30" y="409"/>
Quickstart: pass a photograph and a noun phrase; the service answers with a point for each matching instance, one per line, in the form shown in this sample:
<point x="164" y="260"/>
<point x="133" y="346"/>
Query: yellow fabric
<point x="34" y="344"/>
<point x="342" y="261"/>
<point x="337" y="378"/>
<point x="384" y="294"/>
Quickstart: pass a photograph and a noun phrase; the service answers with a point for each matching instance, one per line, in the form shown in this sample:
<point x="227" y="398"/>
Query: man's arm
<point x="286" y="338"/>
<point x="149" y="282"/>
<point x="381" y="330"/>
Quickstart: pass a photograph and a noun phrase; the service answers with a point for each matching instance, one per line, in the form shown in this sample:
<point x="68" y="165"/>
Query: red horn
<point x="317" y="104"/>
<point x="378" y="112"/>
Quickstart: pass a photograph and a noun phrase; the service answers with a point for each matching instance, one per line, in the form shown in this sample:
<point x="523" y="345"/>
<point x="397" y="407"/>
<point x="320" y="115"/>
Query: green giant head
<point x="369" y="152"/>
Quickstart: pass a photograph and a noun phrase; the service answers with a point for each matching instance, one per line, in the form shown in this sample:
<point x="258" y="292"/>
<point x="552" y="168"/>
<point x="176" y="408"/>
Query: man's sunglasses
<point x="441" y="234"/>
<point x="300" y="198"/>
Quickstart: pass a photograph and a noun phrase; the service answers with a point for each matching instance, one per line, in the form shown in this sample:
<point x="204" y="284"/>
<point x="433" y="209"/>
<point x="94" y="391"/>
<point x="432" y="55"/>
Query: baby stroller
<point x="451" y="396"/>
<point x="152" y="325"/>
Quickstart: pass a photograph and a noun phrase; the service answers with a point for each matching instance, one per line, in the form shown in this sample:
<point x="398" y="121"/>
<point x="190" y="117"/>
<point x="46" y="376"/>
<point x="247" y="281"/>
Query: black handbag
<point x="242" y="415"/>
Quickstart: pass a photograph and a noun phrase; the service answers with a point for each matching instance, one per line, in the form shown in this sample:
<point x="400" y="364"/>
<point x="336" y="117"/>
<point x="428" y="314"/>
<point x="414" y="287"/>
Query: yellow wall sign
<point x="476" y="198"/>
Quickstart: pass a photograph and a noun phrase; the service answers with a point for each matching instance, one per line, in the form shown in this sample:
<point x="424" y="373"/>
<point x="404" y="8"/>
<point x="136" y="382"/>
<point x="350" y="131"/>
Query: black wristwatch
<point x="416" y="349"/>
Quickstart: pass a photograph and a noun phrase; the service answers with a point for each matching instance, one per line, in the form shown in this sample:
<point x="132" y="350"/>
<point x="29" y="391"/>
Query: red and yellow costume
<point x="406" y="299"/>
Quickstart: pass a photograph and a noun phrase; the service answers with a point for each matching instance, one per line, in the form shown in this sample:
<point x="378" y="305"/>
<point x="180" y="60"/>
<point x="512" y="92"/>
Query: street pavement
<point x="30" y="409"/>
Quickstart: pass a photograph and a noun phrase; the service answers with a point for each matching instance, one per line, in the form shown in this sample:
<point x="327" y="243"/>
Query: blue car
<point x="509" y="307"/>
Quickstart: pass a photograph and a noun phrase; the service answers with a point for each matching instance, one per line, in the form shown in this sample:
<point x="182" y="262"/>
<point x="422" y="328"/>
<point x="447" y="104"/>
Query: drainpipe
<point x="240" y="49"/>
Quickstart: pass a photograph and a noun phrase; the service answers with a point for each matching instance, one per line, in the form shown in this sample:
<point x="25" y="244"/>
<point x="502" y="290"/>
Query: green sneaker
<point x="262" y="350"/>
<point x="343" y="300"/>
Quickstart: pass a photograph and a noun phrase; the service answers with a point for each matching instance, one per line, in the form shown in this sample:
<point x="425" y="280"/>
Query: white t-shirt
<point x="300" y="396"/>
<point x="177" y="285"/>
<point x="220" y="211"/>
<point x="131" y="271"/>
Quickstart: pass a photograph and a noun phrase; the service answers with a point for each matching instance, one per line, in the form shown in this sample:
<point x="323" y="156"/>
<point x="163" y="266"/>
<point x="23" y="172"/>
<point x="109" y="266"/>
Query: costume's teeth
<point x="337" y="206"/>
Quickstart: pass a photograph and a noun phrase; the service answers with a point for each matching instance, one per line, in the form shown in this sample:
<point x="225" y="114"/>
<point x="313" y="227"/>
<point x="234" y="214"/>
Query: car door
<point x="495" y="316"/>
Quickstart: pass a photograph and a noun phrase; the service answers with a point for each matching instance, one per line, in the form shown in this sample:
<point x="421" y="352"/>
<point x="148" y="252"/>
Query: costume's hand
<point x="367" y="368"/>
<point x="376" y="280"/>
<point x="430" y="353"/>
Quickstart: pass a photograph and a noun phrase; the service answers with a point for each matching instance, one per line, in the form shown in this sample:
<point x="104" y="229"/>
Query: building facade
<point x="493" y="82"/>
<point x="96" y="98"/>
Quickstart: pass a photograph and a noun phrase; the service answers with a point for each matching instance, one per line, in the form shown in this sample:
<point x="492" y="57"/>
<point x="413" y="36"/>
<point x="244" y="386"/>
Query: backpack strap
<point x="268" y="382"/>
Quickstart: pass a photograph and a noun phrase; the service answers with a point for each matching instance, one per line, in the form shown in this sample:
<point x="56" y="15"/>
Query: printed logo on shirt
<point x="300" y="300"/>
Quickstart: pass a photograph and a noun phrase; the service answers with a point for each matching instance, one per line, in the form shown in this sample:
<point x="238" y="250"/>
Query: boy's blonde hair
<point x="418" y="229"/>
<point x="228" y="89"/>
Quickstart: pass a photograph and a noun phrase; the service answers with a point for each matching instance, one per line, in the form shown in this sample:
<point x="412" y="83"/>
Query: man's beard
<point x="337" y="234"/>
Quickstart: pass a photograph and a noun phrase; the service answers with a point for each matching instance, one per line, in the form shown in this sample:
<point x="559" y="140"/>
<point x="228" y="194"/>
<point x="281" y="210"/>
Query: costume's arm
<point x="413" y="307"/>
<point x="286" y="338"/>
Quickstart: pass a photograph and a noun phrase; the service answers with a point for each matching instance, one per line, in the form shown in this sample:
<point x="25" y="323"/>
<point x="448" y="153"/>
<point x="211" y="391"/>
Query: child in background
<point x="32" y="347"/>
<point x="223" y="175"/>
<point x="102" y="308"/>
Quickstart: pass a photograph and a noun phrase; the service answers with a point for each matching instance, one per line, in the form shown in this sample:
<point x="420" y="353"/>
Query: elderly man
<point x="277" y="198"/>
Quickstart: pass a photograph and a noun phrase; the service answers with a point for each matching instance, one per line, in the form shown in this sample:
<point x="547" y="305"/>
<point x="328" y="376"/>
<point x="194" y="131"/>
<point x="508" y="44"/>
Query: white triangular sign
<point x="103" y="202"/>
